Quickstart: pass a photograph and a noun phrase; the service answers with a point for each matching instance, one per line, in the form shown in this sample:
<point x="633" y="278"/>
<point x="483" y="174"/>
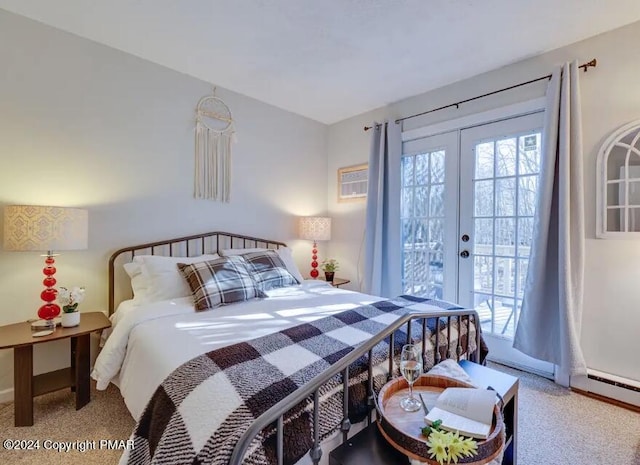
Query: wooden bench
<point x="370" y="448"/>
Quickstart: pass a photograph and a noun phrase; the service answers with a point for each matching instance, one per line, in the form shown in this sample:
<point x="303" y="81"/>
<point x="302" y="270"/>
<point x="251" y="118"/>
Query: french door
<point x="485" y="202"/>
<point x="429" y="216"/>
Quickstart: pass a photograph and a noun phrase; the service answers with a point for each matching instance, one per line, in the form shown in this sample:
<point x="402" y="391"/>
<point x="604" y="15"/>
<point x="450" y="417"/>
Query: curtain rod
<point x="591" y="64"/>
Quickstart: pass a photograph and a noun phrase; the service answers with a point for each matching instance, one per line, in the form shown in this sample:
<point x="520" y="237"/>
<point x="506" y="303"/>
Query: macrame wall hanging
<point x="215" y="133"/>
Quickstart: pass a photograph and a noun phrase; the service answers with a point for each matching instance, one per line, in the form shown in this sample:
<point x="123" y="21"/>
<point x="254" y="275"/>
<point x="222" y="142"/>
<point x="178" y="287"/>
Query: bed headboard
<point x="188" y="246"/>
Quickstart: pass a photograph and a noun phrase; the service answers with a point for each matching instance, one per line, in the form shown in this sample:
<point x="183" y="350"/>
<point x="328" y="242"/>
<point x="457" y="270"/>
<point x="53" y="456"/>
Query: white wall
<point x="88" y="126"/>
<point x="610" y="98"/>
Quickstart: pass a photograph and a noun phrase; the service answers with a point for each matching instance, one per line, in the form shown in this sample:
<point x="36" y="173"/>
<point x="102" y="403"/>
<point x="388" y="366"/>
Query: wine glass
<point x="411" y="369"/>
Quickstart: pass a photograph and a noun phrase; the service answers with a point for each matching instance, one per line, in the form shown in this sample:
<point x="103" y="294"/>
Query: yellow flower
<point x="449" y="446"/>
<point x="469" y="447"/>
<point x="455" y="451"/>
<point x="455" y="438"/>
<point x="440" y="436"/>
<point x="437" y="447"/>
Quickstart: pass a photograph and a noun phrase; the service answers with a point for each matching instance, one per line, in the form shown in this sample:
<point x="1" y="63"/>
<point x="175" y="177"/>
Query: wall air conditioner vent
<point x="352" y="183"/>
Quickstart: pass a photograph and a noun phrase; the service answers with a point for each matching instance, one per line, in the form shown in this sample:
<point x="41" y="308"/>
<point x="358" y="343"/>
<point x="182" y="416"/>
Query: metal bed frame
<point x="276" y="412"/>
<point x="187" y="246"/>
<point x="212" y="242"/>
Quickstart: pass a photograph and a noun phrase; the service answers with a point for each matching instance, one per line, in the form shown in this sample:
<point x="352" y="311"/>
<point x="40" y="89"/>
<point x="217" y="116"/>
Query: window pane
<point x="506" y="237"/>
<point x="504" y="319"/>
<point x="437" y="201"/>
<point x="421" y="203"/>
<point x="634" y="220"/>
<point x="483" y="236"/>
<point x="483" y="198"/>
<point x="529" y="157"/>
<point x="420" y="269"/>
<point x="484" y="160"/>
<point x="482" y="301"/>
<point x="527" y="195"/>
<point x="634" y="193"/>
<point x="505" y="276"/>
<point x="616" y="194"/>
<point x="436" y="235"/>
<point x="407" y="171"/>
<point x="615" y="219"/>
<point x="525" y="236"/>
<point x="422" y="169"/>
<point x="436" y="267"/>
<point x="516" y="315"/>
<point x="437" y="166"/>
<point x="407" y="270"/>
<point x="483" y="304"/>
<point x="407" y="234"/>
<point x="421" y="234"/>
<point x="522" y="275"/>
<point x="505" y="197"/>
<point x="483" y="274"/>
<point x="407" y="202"/>
<point x="506" y="157"/>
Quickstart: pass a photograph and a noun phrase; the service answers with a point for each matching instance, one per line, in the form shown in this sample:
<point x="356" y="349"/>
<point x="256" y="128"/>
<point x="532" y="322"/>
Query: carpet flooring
<point x="557" y="427"/>
<point x="56" y="419"/>
<point x="560" y="427"/>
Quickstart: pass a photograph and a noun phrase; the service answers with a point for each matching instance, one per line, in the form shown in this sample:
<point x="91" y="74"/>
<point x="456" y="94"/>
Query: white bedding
<point x="148" y="342"/>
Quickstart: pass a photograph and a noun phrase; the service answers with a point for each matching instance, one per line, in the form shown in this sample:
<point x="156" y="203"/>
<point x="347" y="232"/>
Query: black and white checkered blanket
<point x="200" y="411"/>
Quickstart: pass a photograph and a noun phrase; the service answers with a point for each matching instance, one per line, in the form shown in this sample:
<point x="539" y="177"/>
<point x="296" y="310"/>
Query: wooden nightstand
<point x="337" y="282"/>
<point x="27" y="386"/>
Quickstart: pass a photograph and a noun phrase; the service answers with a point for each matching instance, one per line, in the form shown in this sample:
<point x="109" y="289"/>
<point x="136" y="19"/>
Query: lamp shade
<point x="38" y="228"/>
<point x="315" y="228"/>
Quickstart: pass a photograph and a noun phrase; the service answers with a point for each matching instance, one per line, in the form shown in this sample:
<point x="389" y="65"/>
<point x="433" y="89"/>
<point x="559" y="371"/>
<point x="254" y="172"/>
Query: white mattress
<point x="148" y="342"/>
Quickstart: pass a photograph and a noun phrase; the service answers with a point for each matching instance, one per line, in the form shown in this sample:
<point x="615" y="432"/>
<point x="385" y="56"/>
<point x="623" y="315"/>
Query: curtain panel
<point x="550" y="321"/>
<point x="383" y="247"/>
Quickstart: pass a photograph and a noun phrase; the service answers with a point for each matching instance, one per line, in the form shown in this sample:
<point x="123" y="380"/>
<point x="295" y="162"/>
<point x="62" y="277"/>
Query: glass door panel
<point x="500" y="164"/>
<point x="429" y="216"/>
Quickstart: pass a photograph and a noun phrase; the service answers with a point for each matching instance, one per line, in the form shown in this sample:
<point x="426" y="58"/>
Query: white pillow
<point x="159" y="277"/>
<point x="139" y="281"/>
<point x="285" y="253"/>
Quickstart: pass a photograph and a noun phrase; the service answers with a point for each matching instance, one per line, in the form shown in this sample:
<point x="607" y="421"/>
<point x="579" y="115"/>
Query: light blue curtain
<point x="383" y="247"/>
<point x="550" y="321"/>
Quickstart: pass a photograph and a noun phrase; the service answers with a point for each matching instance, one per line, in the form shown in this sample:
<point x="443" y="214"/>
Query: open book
<point x="466" y="410"/>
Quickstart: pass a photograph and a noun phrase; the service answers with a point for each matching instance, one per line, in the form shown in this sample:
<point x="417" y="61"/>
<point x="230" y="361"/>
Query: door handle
<point x="464" y="254"/>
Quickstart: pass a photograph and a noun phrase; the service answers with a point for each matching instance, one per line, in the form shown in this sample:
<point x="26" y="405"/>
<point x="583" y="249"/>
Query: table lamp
<point x="40" y="228"/>
<point x="315" y="228"/>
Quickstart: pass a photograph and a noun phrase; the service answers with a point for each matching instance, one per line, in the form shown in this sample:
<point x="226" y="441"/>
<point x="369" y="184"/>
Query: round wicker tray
<point x="402" y="429"/>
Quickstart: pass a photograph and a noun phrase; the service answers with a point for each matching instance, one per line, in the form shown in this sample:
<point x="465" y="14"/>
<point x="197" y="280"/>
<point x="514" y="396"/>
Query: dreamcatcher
<point x="214" y="134"/>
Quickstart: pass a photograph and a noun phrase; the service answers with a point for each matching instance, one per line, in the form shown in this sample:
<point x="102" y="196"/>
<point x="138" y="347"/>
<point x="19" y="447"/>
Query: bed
<point x="189" y="410"/>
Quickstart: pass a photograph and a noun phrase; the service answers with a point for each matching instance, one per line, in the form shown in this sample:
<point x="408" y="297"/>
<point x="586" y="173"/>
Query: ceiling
<point x="332" y="59"/>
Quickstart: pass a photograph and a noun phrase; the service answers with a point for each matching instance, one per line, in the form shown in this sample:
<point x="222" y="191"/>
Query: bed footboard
<point x="456" y="320"/>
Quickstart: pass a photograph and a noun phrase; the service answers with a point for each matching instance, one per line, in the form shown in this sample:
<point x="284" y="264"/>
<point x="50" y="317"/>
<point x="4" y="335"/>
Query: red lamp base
<point x="314" y="261"/>
<point x="49" y="310"/>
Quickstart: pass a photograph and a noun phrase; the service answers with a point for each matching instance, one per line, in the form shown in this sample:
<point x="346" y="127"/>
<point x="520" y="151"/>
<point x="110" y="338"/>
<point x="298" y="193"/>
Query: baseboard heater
<point x="609" y="379"/>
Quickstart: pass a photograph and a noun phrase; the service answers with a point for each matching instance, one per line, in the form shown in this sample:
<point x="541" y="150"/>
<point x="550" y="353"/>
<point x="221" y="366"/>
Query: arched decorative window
<point x="618" y="184"/>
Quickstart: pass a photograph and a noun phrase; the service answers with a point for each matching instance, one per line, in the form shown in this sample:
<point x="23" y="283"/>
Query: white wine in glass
<point x="411" y="369"/>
